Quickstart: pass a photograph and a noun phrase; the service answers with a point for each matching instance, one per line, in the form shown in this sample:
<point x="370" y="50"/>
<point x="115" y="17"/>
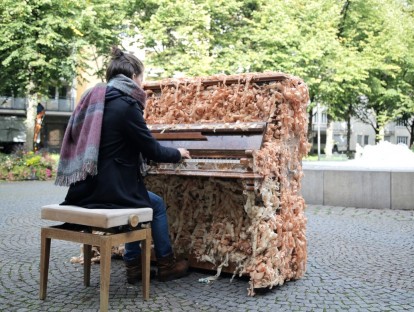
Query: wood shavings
<point x="260" y="232"/>
<point x="116" y="252"/>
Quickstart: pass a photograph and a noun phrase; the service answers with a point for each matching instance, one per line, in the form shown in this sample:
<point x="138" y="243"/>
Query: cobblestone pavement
<point x="358" y="260"/>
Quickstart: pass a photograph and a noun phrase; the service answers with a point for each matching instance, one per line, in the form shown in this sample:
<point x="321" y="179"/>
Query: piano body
<point x="235" y="205"/>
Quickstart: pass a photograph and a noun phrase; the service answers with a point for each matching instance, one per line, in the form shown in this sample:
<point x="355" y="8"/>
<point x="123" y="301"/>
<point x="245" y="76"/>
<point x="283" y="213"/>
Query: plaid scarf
<point x="80" y="145"/>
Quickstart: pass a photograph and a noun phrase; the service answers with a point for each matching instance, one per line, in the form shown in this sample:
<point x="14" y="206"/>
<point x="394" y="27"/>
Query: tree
<point x="175" y="35"/>
<point x="405" y="114"/>
<point x="194" y="37"/>
<point x="350" y="53"/>
<point x="41" y="42"/>
<point x="378" y="31"/>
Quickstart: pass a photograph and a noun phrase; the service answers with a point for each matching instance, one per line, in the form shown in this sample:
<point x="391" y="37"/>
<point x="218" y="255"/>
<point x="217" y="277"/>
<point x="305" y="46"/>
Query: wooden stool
<point x="104" y="220"/>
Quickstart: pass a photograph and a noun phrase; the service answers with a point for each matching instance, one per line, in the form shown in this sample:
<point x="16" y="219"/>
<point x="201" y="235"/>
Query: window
<point x="362" y="139"/>
<point x="400" y="122"/>
<point x="7" y="93"/>
<point x="402" y="139"/>
<point x="58" y="93"/>
<point x="63" y="92"/>
<point x="52" y="92"/>
<point x="324" y="117"/>
<point x="55" y="135"/>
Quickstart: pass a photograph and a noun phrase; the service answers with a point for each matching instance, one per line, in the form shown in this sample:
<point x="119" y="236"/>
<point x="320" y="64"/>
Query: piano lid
<point x="257" y="78"/>
<point x="239" y="136"/>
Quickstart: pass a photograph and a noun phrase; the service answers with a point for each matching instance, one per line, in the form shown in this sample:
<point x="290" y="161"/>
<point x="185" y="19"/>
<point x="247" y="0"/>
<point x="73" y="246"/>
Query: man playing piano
<point x="100" y="159"/>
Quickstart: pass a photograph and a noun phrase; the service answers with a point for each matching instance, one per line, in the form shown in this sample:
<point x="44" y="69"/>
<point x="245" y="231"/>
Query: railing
<point x="12" y="103"/>
<point x="60" y="105"/>
<point x="323" y="126"/>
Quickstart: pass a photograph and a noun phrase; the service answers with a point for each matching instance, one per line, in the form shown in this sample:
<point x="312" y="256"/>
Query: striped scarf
<point x="80" y="145"/>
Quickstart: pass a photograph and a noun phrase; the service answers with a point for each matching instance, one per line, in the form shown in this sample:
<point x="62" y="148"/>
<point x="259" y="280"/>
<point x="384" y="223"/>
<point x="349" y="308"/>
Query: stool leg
<point x="146" y="264"/>
<point x="87" y="256"/>
<point x="44" y="263"/>
<point x="105" y="264"/>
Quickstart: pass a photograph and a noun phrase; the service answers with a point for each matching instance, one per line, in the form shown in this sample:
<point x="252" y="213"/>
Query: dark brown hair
<point x="123" y="63"/>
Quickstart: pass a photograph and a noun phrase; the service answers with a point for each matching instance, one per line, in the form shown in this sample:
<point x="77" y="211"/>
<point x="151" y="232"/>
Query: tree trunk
<point x="411" y="134"/>
<point x="310" y="126"/>
<point x="348" y="134"/>
<point x="329" y="139"/>
<point x="31" y="106"/>
<point x="377" y="130"/>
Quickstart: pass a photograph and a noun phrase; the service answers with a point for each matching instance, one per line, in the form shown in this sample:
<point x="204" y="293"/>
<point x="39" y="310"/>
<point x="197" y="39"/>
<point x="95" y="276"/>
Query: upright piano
<point x="235" y="205"/>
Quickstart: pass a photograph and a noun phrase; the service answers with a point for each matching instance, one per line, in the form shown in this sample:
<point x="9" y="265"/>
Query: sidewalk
<point x="358" y="260"/>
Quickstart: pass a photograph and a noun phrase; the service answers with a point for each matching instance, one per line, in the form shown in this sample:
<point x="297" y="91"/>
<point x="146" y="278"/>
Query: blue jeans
<point x="160" y="233"/>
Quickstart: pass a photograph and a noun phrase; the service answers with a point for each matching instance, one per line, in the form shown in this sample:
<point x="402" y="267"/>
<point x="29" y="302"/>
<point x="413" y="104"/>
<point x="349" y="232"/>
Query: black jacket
<point x="124" y="136"/>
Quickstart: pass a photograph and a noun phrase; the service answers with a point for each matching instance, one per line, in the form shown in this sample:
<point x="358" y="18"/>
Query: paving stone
<point x="358" y="260"/>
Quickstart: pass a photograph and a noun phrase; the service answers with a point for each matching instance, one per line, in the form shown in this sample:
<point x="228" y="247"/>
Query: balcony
<point x="323" y="127"/>
<point x="11" y="103"/>
<point x="60" y="105"/>
<point x="17" y="106"/>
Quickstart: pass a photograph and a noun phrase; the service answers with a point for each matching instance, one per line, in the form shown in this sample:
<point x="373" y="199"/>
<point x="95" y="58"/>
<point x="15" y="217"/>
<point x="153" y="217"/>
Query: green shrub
<point x="27" y="166"/>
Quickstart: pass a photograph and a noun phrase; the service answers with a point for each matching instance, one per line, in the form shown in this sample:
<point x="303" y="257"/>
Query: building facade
<point x="58" y="107"/>
<point x="361" y="133"/>
<point x="61" y="102"/>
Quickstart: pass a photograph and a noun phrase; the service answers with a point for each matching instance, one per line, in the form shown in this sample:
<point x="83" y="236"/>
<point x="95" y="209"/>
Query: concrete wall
<point x="363" y="189"/>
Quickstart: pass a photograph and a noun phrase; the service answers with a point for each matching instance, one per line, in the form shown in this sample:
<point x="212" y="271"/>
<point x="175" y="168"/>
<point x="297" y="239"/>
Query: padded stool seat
<point x="99" y="218"/>
<point x="104" y="220"/>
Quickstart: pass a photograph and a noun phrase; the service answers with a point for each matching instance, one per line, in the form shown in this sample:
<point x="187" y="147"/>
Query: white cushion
<point x="103" y="218"/>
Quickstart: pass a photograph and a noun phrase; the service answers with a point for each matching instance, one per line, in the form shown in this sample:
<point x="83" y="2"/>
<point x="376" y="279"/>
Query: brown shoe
<point x="169" y="268"/>
<point x="134" y="270"/>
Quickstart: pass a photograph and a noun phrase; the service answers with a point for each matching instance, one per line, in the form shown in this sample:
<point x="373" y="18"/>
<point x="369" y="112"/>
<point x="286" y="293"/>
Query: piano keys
<point x="217" y="150"/>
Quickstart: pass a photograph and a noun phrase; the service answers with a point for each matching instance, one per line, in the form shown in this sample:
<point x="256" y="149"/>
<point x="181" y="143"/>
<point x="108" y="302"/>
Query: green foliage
<point x="299" y="37"/>
<point x="342" y="49"/>
<point x="175" y="34"/>
<point x="38" y="42"/>
<point x="43" y="42"/>
<point x="382" y="34"/>
<point x="33" y="160"/>
<point x="27" y="166"/>
<point x="356" y="56"/>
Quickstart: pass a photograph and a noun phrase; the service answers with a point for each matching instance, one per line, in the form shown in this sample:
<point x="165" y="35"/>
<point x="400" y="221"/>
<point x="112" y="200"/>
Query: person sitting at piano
<point x="100" y="159"/>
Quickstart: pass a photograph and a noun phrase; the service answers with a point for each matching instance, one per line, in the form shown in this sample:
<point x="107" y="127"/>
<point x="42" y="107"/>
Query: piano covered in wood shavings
<point x="235" y="205"/>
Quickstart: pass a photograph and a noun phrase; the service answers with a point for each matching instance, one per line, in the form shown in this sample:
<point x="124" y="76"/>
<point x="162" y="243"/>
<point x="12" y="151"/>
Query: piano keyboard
<point x="213" y="160"/>
<point x="213" y="167"/>
<point x="217" y="150"/>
